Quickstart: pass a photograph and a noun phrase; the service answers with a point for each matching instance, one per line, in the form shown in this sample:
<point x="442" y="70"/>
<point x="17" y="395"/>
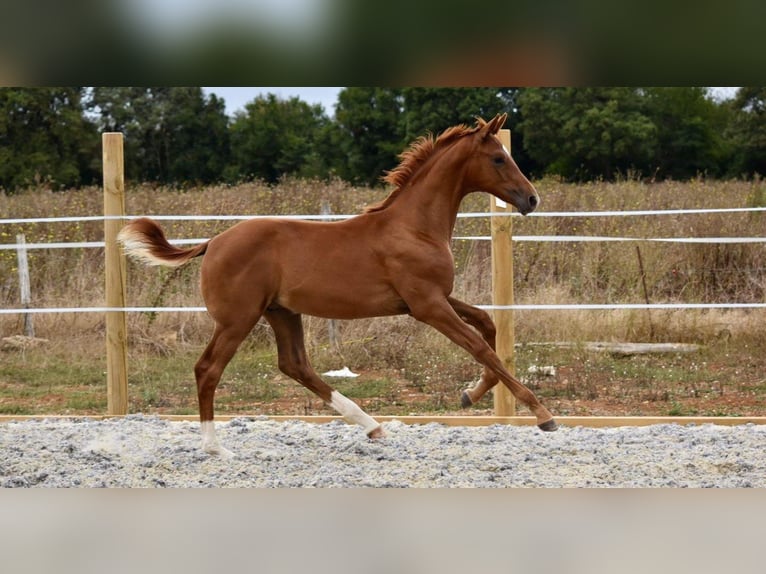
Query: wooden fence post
<point x="25" y="289"/>
<point x="332" y="324"/>
<point x="502" y="293"/>
<point x="115" y="290"/>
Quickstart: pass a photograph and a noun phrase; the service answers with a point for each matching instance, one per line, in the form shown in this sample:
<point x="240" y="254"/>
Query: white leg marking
<point x="210" y="442"/>
<point x="352" y="412"/>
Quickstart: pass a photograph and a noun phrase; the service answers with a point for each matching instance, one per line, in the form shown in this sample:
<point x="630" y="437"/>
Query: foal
<point x="393" y="259"/>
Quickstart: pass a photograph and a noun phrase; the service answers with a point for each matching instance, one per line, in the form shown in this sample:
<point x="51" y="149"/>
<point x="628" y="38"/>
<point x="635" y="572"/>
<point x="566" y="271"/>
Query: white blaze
<point x="499" y="202"/>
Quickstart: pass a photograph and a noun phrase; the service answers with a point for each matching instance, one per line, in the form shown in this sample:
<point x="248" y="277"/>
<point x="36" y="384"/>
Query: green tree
<point x="370" y="132"/>
<point x="747" y="131"/>
<point x="172" y="135"/>
<point x="689" y="127"/>
<point x="436" y="109"/>
<point x="375" y="124"/>
<point x="198" y="137"/>
<point x="584" y="133"/>
<point x="46" y="139"/>
<point x="274" y="137"/>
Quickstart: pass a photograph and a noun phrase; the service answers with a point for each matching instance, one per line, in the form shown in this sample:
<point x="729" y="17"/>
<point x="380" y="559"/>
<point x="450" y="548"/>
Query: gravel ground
<point x="140" y="451"/>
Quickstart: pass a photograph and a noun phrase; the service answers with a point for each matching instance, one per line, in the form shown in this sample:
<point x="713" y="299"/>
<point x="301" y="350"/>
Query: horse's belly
<point x="343" y="303"/>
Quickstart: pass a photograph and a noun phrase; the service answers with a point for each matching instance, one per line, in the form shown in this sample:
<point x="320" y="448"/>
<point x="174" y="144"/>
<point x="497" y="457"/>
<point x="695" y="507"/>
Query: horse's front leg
<point x="438" y="313"/>
<point x="482" y="322"/>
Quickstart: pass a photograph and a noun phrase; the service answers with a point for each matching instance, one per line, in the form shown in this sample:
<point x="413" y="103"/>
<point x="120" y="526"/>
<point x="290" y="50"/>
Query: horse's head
<point x="492" y="169"/>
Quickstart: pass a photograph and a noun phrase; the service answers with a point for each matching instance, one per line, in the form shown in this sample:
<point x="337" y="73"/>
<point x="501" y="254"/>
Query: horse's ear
<point x="497" y="122"/>
<point x="484" y="128"/>
<point x="492" y="126"/>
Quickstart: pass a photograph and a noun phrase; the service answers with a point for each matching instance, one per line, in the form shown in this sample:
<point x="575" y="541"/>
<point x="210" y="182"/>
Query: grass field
<point x="406" y="368"/>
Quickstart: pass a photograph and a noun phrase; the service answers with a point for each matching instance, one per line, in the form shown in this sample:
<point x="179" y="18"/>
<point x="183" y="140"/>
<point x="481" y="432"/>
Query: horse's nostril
<point x="533" y="201"/>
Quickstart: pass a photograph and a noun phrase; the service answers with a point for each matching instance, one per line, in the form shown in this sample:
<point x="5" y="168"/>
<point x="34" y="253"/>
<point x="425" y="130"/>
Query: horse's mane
<point x="413" y="158"/>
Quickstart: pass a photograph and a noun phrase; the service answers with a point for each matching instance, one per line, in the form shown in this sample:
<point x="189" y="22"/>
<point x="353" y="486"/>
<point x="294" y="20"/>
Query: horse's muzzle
<point x="530" y="205"/>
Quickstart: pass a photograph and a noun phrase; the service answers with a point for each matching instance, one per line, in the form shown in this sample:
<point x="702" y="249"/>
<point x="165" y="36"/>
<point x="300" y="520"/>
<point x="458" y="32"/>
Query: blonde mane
<point x="413" y="158"/>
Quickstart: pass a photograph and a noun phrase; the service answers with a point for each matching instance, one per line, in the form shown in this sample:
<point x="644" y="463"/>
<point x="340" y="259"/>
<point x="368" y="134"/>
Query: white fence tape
<point x="626" y="213"/>
<point x="616" y="306"/>
<point x="603" y="238"/>
<point x="642" y="212"/>
<point x="71" y="245"/>
<point x="104" y="310"/>
<point x="519" y="238"/>
<point x="518" y="307"/>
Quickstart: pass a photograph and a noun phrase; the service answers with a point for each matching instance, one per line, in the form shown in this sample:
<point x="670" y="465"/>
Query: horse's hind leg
<point x="293" y="361"/>
<point x="482" y="322"/>
<point x="208" y="370"/>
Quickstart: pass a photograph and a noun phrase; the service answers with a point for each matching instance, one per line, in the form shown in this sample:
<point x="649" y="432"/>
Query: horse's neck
<point x="432" y="202"/>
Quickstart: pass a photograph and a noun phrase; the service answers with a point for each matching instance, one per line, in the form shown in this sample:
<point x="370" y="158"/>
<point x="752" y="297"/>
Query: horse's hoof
<point x="219" y="451"/>
<point x="465" y="400"/>
<point x="376" y="433"/>
<point x="548" y="426"/>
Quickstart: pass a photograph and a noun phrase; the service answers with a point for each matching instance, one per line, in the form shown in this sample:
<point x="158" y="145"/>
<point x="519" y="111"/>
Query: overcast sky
<point x="236" y="98"/>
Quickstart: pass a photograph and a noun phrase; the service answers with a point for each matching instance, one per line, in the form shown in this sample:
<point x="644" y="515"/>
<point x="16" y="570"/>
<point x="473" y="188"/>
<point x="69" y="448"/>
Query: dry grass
<point x="398" y="350"/>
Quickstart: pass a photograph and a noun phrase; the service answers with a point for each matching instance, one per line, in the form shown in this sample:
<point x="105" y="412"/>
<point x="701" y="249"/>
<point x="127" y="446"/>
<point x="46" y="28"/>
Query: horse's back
<point x="317" y="268"/>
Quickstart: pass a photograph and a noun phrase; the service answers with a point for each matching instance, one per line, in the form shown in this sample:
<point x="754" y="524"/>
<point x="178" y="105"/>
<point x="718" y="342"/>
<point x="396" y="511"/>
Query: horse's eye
<point x="498" y="160"/>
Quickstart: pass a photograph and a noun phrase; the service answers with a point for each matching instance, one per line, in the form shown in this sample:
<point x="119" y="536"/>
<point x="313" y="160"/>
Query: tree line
<point x="181" y="136"/>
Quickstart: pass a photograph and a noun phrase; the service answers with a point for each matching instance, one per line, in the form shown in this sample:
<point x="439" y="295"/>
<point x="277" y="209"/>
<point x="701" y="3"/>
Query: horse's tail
<point x="144" y="239"/>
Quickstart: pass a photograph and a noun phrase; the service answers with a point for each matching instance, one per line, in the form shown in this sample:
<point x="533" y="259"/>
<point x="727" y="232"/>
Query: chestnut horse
<point x="393" y="259"/>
